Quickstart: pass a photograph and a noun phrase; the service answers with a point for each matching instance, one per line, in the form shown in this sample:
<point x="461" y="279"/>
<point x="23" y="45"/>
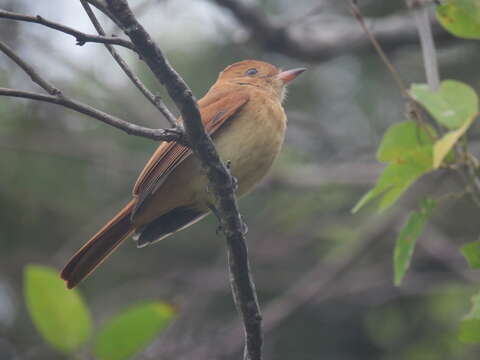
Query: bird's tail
<point x="99" y="247"/>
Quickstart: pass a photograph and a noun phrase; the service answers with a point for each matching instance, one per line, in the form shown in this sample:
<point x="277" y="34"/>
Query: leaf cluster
<point x="413" y="148"/>
<point x="64" y="320"/>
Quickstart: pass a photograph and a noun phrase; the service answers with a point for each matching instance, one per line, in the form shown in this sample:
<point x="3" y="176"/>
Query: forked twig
<point x="56" y="96"/>
<point x="154" y="99"/>
<point x="129" y="128"/>
<point x="80" y="37"/>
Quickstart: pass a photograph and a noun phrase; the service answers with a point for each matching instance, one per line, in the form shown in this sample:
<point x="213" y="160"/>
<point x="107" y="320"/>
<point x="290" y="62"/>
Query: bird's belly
<point x="250" y="146"/>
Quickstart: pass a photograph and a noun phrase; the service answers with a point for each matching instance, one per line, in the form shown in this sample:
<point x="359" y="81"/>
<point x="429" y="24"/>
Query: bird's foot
<point x="234" y="183"/>
<point x="244" y="226"/>
<point x="214" y="210"/>
<point x="228" y="164"/>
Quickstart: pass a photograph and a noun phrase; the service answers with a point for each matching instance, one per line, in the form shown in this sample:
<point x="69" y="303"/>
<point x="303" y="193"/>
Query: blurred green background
<point x="324" y="276"/>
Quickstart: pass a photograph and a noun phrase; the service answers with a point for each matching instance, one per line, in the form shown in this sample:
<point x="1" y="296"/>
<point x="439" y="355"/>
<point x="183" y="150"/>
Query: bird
<point x="243" y="114"/>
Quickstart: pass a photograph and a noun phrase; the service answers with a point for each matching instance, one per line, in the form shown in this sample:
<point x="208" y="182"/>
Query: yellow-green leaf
<point x="407" y="239"/>
<point x="460" y="17"/>
<point x="469" y="331"/>
<point x="60" y="315"/>
<point x="132" y="330"/>
<point x="397" y="177"/>
<point x="446" y="143"/>
<point x="471" y="252"/>
<point x="452" y="105"/>
<point x="402" y="139"/>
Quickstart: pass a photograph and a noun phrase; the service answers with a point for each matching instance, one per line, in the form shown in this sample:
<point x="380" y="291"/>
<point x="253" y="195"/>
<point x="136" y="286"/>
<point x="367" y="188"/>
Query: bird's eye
<point x="251" y="72"/>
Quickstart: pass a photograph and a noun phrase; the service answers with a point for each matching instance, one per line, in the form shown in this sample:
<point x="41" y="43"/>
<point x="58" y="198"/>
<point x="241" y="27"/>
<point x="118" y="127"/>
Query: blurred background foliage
<point x="324" y="276"/>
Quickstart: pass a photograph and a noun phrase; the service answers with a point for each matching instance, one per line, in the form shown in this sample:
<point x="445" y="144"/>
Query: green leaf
<point x="408" y="148"/>
<point x="407" y="239"/>
<point x="402" y="139"/>
<point x="469" y="331"/>
<point x="59" y="314"/>
<point x="132" y="330"/>
<point x="452" y="105"/>
<point x="471" y="251"/>
<point x="396" y="178"/>
<point x="460" y="17"/>
<point x="446" y="143"/>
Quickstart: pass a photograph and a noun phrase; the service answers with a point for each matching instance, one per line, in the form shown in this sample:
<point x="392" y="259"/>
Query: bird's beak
<point x="289" y="75"/>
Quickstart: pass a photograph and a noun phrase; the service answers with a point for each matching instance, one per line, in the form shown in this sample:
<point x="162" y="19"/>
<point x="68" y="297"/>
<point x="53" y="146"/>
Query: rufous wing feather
<point x="215" y="110"/>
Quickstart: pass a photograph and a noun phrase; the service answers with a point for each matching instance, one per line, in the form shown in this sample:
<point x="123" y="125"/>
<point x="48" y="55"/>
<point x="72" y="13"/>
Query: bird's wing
<point x="215" y="111"/>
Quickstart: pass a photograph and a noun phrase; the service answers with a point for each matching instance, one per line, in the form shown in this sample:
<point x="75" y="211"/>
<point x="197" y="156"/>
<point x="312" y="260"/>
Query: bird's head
<point x="260" y="74"/>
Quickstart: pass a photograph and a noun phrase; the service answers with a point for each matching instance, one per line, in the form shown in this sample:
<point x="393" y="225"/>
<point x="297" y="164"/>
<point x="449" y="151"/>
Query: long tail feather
<point x="99" y="247"/>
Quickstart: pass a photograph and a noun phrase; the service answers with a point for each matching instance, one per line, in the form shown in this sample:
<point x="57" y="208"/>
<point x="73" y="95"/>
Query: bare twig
<point x="129" y="128"/>
<point x="81" y="37"/>
<point x="36" y="78"/>
<point x="422" y="22"/>
<point x="218" y="175"/>
<point x="378" y="48"/>
<point x="57" y="97"/>
<point x="155" y="100"/>
<point x="102" y="6"/>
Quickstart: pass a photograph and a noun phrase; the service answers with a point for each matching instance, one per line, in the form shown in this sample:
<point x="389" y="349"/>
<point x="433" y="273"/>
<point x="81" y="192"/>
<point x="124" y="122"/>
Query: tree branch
<point x="154" y="99"/>
<point x="57" y="97"/>
<point x="81" y="37"/>
<point x="129" y="128"/>
<point x="319" y="41"/>
<point x="420" y="14"/>
<point x="36" y="78"/>
<point x="218" y="175"/>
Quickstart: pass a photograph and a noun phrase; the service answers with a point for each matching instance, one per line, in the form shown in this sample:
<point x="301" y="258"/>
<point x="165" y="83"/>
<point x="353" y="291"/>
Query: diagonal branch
<point x="218" y="175"/>
<point x="81" y="37"/>
<point x="57" y="97"/>
<point x="103" y="7"/>
<point x="154" y="99"/>
<point x="36" y="78"/>
<point x="129" y="128"/>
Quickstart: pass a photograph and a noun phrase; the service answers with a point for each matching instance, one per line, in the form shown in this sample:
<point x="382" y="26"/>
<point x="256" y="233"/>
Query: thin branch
<point x="221" y="181"/>
<point x="81" y="37"/>
<point x="35" y="76"/>
<point x="154" y="99"/>
<point x="420" y="13"/>
<point x="102" y="6"/>
<point x="378" y="48"/>
<point x="57" y="97"/>
<point x="129" y="128"/>
<point x="412" y="108"/>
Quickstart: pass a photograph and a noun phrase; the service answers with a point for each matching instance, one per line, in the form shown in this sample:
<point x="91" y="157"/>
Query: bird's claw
<point x="234" y="183"/>
<point x="244" y="226"/>
<point x="228" y="164"/>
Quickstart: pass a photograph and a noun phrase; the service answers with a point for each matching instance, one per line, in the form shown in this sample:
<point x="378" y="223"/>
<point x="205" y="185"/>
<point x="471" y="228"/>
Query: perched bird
<point x="243" y="113"/>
